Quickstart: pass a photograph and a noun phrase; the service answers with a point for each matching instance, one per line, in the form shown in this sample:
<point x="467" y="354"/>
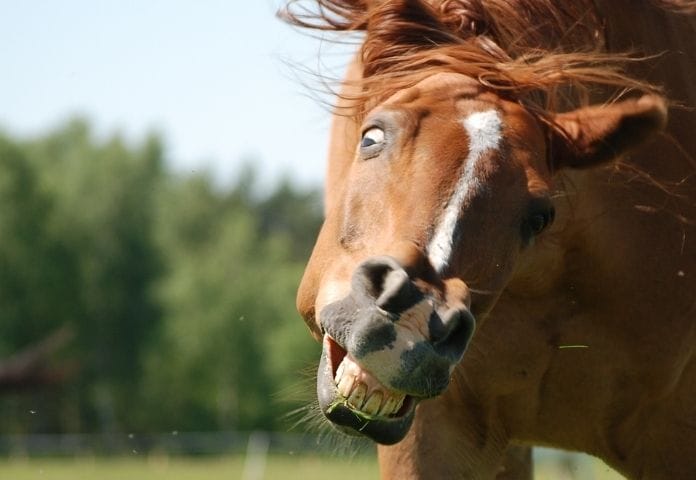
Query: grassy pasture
<point x="155" y="467"/>
<point x="286" y="467"/>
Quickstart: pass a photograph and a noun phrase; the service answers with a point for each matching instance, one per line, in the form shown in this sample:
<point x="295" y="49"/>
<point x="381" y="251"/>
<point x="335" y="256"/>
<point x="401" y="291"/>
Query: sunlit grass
<point x="287" y="467"/>
<point x="154" y="467"/>
<point x="587" y="469"/>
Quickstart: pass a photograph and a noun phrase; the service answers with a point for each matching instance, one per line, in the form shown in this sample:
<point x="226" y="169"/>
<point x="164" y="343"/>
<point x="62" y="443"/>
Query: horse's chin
<point x="384" y="428"/>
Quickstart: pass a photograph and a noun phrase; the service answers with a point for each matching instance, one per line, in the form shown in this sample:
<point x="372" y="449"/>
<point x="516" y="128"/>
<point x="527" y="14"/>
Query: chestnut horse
<point x="508" y="256"/>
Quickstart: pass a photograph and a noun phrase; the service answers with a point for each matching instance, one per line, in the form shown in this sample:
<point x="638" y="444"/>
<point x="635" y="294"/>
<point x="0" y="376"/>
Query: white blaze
<point x="484" y="130"/>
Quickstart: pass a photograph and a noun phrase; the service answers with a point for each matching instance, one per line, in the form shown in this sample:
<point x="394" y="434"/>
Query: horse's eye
<point x="539" y="221"/>
<point x="372" y="136"/>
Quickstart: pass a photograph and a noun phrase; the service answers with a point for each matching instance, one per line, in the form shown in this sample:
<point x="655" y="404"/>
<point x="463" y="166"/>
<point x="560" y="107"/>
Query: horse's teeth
<point x="399" y="403"/>
<point x="349" y="383"/>
<point x="388" y="407"/>
<point x="346" y="385"/>
<point x="373" y="403"/>
<point x="339" y="373"/>
<point x="356" y="398"/>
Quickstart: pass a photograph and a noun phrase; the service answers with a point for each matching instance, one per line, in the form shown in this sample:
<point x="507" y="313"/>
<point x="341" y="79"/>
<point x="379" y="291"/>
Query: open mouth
<point x="360" y="391"/>
<point x="352" y="397"/>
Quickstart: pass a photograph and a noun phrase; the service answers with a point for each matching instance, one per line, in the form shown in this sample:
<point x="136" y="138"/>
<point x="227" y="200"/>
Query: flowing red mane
<point x="551" y="55"/>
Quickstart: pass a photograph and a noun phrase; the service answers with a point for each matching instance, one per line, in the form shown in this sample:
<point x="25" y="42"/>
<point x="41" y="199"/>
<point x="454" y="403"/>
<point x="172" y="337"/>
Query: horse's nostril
<point x="398" y="293"/>
<point x="451" y="332"/>
<point x="386" y="283"/>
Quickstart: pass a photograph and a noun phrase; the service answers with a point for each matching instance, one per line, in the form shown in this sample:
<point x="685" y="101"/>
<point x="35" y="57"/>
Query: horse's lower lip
<point x="382" y="429"/>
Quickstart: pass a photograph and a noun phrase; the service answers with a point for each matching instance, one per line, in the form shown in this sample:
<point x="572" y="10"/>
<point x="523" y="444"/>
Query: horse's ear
<point x="399" y="27"/>
<point x="595" y="135"/>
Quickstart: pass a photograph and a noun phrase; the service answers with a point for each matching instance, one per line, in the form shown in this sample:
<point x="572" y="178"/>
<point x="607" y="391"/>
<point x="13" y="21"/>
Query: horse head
<point x="441" y="200"/>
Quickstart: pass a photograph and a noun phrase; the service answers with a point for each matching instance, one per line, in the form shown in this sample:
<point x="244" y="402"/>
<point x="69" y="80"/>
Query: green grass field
<point x="286" y="467"/>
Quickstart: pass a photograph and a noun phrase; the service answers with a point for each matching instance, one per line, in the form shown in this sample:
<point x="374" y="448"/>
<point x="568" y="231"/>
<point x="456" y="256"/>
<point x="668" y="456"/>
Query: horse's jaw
<point x="387" y="423"/>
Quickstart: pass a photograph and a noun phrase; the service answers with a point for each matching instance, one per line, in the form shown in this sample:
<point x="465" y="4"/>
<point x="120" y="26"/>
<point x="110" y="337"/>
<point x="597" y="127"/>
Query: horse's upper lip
<point x="383" y="428"/>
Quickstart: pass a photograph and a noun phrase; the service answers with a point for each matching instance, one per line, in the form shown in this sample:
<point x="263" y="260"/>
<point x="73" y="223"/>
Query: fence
<point x="255" y="447"/>
<point x="180" y="443"/>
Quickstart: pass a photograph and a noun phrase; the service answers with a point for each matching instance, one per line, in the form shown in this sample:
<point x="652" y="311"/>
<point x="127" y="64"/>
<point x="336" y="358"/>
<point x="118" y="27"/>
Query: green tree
<point x="227" y="295"/>
<point x="103" y="197"/>
<point x="33" y="296"/>
<point x="180" y="292"/>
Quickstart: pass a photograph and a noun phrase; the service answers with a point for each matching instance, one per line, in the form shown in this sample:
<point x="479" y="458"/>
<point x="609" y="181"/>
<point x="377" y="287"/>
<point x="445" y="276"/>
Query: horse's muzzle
<point x="393" y="341"/>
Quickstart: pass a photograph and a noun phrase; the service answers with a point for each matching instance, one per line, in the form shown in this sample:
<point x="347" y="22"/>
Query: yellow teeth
<point x="357" y="396"/>
<point x="373" y="403"/>
<point x="345" y="386"/>
<point x="399" y="403"/>
<point x="388" y="406"/>
<point x="339" y="373"/>
<point x="363" y="393"/>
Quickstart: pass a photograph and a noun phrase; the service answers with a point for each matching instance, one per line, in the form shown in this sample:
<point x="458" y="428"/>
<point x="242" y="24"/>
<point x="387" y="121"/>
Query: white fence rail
<point x="175" y="442"/>
<point x="254" y="446"/>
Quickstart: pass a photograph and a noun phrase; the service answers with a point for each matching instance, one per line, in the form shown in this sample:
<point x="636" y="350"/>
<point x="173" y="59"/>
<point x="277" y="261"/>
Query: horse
<point x="508" y="256"/>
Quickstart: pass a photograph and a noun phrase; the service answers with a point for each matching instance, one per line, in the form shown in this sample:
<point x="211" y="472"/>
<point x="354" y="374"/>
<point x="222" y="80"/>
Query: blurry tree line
<point x="177" y="293"/>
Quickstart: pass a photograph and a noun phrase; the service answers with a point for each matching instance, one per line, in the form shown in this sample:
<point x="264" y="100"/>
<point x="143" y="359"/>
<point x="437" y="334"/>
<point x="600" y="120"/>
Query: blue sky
<point x="210" y="75"/>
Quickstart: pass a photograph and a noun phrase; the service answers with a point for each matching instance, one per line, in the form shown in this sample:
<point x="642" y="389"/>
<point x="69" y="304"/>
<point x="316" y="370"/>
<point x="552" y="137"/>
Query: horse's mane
<point x="549" y="54"/>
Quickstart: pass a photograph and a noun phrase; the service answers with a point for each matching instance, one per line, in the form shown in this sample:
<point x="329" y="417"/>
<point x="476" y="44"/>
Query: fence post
<point x="256" y="454"/>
